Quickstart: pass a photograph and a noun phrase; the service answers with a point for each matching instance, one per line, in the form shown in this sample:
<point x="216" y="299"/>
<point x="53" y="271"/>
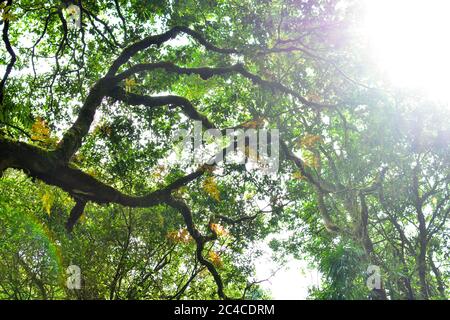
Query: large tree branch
<point x="208" y="72"/>
<point x="75" y="214"/>
<point x="320" y="184"/>
<point x="72" y="139"/>
<point x="120" y="94"/>
<point x="327" y="221"/>
<point x="5" y="37"/>
<point x="191" y="112"/>
<point x="44" y="166"/>
<point x="158" y="40"/>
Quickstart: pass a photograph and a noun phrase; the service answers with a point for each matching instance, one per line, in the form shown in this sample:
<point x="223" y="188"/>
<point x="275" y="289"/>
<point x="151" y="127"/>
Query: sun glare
<point x="410" y="41"/>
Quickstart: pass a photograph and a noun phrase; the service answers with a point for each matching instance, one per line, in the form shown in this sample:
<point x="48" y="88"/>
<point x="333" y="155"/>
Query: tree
<point x="88" y="113"/>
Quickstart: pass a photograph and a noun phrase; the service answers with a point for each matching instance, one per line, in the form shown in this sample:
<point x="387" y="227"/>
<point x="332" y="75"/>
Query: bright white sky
<point x="288" y="283"/>
<point x="410" y="43"/>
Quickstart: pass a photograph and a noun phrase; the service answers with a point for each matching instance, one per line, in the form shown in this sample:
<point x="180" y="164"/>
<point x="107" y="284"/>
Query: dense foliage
<point x="87" y="153"/>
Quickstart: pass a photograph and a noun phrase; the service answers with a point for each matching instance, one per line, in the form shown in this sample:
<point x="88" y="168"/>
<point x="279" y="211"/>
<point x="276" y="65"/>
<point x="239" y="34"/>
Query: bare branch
<point x="200" y="241"/>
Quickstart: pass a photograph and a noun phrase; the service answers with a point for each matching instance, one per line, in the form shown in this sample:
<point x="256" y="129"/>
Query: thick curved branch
<point x="319" y="183"/>
<point x="114" y="44"/>
<point x="73" y="137"/>
<point x="158" y="40"/>
<point x="120" y="94"/>
<point x="204" y="72"/>
<point x="208" y="72"/>
<point x="44" y="166"/>
<point x="327" y="221"/>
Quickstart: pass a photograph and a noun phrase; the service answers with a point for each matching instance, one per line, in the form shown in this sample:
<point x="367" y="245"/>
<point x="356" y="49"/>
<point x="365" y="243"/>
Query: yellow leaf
<point x="210" y="187"/>
<point x="129" y="84"/>
<point x="250" y="124"/>
<point x="82" y="218"/>
<point x="218" y="229"/>
<point x="47" y="202"/>
<point x="254" y="124"/>
<point x="215" y="259"/>
<point x="249" y="196"/>
<point x="40" y="132"/>
<point x="7" y="15"/>
<point x="312" y="160"/>
<point x="92" y="172"/>
<point x="172" y="235"/>
<point x="309" y="141"/>
<point x="207" y="168"/>
<point x="180" y="236"/>
<point x="298" y="175"/>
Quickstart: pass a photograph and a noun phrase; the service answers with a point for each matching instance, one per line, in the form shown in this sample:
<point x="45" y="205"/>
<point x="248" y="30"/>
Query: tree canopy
<point x="91" y="174"/>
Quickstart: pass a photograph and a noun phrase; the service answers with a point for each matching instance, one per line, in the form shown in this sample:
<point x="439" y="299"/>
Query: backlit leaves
<point x="210" y="187"/>
<point x="40" y="132"/>
<point x="179" y="236"/>
<point x="6" y="13"/>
